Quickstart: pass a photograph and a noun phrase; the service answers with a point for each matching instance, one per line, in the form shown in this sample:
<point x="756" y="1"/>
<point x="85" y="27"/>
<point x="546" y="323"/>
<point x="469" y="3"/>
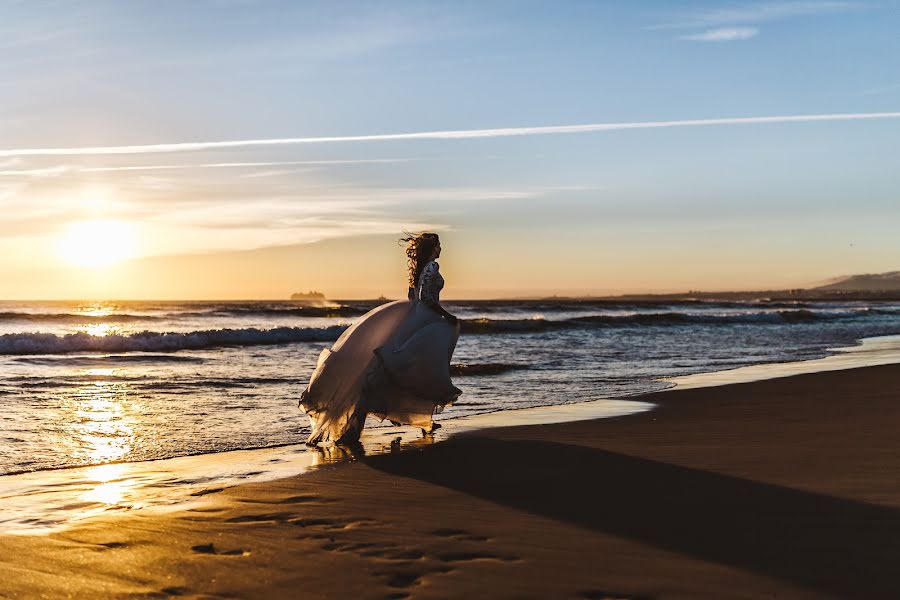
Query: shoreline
<point x="778" y="488"/>
<point x="40" y="502"/>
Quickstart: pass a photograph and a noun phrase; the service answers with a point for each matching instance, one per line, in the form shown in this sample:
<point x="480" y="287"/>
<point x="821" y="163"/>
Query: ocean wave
<point x="484" y="325"/>
<point x="147" y="382"/>
<point x="274" y="312"/>
<point x="102" y="360"/>
<point x="220" y="383"/>
<point x="65" y="317"/>
<point x="477" y="369"/>
<point x="541" y="306"/>
<point x="801" y="315"/>
<point x="149" y="341"/>
<point x="337" y="311"/>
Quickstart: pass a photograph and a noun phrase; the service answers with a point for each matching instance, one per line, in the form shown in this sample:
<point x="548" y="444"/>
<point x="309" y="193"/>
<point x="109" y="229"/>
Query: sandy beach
<point x="450" y="300"/>
<point x="785" y="488"/>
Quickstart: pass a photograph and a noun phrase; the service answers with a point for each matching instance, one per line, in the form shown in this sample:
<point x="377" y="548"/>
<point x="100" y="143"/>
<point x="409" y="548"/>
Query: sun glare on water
<point x="97" y="243"/>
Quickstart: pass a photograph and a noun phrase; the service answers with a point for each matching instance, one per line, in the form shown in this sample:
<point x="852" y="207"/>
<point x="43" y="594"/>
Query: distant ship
<point x="310" y="296"/>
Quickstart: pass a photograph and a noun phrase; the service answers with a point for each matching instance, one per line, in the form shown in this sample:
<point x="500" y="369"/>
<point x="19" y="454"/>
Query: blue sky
<point x="767" y="204"/>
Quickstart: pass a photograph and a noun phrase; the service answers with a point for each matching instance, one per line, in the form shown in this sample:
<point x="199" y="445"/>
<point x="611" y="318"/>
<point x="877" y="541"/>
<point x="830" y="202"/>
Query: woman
<point x="394" y="362"/>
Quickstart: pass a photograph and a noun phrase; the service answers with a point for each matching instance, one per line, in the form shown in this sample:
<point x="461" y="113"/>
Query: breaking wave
<point x="478" y="369"/>
<point x="802" y="315"/>
<point x="104" y="360"/>
<point x="274" y="312"/>
<point x="149" y="341"/>
<point x="162" y="342"/>
<point x="75" y="317"/>
<point x="337" y="311"/>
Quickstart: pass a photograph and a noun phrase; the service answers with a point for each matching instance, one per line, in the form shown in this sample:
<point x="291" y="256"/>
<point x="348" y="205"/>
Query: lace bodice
<point x="428" y="290"/>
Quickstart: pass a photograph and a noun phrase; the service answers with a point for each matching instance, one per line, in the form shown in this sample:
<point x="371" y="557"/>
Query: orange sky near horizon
<point x="370" y="266"/>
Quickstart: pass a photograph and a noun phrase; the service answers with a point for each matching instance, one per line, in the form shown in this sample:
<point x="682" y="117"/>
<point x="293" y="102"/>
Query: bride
<point x="393" y="363"/>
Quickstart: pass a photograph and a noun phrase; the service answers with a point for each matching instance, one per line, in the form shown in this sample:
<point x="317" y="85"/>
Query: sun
<point x="97" y="243"/>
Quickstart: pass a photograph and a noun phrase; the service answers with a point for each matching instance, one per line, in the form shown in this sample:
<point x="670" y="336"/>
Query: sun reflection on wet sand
<point x="112" y="485"/>
<point x="36" y="503"/>
<point x="104" y="429"/>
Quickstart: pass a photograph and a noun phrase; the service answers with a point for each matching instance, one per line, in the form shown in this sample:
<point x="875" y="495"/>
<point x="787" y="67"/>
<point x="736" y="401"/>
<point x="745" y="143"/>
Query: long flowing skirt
<point x="394" y="363"/>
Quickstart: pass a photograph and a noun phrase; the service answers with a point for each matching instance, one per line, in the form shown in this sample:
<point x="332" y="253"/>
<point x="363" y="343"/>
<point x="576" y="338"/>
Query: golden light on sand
<point x="97" y="243"/>
<point x="111" y="484"/>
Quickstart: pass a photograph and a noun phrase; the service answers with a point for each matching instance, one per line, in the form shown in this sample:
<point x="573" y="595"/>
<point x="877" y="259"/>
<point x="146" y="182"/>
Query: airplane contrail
<point x="438" y="135"/>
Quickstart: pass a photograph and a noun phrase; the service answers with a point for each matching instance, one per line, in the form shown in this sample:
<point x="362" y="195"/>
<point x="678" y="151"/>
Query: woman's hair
<point x="418" y="250"/>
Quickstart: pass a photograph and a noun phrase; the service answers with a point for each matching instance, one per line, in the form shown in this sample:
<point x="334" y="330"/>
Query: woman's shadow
<point x="823" y="543"/>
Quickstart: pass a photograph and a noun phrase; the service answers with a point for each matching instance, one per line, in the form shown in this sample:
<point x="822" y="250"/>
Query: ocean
<point x="89" y="383"/>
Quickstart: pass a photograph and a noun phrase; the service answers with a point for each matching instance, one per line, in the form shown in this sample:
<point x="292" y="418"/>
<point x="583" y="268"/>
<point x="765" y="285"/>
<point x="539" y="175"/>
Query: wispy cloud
<point x="740" y="22"/>
<point x="198" y="221"/>
<point x="754" y="13"/>
<point x="275" y="173"/>
<point x="38" y="172"/>
<point x="440" y="135"/>
<point x="66" y="169"/>
<point x="724" y="34"/>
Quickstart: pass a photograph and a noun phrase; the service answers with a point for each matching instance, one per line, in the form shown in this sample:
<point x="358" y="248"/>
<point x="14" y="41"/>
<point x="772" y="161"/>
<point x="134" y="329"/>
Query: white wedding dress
<point x="393" y="363"/>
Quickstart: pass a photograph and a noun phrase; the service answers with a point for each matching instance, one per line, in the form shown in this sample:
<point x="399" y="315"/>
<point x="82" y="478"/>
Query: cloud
<point x="759" y="12"/>
<point x="735" y="22"/>
<point x="65" y="169"/>
<point x="724" y="34"/>
<point x="439" y="135"/>
<point x="40" y="172"/>
<point x="236" y="165"/>
<point x="248" y="211"/>
<point x="210" y="223"/>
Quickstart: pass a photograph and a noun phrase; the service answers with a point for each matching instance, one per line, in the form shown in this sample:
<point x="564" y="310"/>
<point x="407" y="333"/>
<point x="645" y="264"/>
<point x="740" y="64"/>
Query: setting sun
<point x="97" y="243"/>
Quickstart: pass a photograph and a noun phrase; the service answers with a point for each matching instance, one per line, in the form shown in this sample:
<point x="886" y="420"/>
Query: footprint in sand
<point x="211" y="549"/>
<point x="313" y="522"/>
<point x="279" y="517"/>
<point x="303" y="499"/>
<point x="408" y="577"/>
<point x="112" y="545"/>
<point x="470" y="556"/>
<point x="459" y="534"/>
<point x="174" y="591"/>
<point x="208" y="491"/>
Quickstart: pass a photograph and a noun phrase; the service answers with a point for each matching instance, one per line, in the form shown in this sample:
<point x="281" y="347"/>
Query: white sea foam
<point x="151" y="341"/>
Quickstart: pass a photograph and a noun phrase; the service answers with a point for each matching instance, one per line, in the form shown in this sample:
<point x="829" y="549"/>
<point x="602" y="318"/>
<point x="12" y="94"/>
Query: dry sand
<point x="787" y="488"/>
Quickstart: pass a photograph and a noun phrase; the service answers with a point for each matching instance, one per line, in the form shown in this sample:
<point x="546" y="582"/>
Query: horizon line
<point x="827" y="295"/>
<point x="439" y="134"/>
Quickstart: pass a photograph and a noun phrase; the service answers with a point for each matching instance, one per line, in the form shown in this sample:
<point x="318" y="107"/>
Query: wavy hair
<point x="418" y="250"/>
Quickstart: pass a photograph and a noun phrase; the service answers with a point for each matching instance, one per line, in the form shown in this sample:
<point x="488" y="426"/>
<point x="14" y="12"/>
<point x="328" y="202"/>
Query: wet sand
<point x="786" y="488"/>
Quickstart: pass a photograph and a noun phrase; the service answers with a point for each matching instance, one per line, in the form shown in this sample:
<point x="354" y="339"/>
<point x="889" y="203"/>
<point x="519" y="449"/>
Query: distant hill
<point x="870" y="282"/>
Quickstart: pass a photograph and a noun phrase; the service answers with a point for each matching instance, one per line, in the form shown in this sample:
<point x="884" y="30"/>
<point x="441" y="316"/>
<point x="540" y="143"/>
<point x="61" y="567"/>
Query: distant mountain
<point x="870" y="282"/>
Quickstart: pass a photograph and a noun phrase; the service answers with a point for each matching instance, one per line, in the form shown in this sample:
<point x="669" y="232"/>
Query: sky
<point x="250" y="149"/>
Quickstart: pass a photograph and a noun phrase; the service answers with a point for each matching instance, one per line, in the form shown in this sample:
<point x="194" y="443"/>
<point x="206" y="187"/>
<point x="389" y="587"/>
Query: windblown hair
<point x="418" y="250"/>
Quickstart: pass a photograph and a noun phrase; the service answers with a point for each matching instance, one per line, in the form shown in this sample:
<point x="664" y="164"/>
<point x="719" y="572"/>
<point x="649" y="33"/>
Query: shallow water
<point x="45" y="501"/>
<point x="94" y="383"/>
